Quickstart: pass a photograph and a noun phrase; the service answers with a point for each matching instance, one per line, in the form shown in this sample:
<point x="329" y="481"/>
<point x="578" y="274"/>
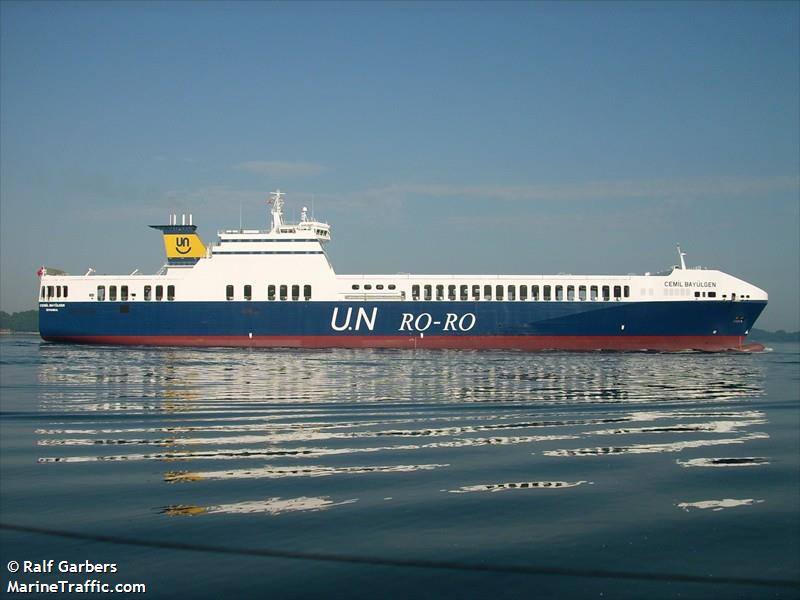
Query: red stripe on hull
<point x="530" y="343"/>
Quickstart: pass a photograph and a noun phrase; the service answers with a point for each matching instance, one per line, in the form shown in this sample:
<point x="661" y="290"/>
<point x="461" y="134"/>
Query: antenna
<point x="240" y="215"/>
<point x="682" y="255"/>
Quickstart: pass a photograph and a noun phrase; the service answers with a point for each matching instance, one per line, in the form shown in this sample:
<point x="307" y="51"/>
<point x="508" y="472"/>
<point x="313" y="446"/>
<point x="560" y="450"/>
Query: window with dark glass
<point x="379" y="286"/>
<point x="58" y="291"/>
<point x="617" y="291"/>
<point x="440" y="292"/>
<point x="415" y="292"/>
<point x="44" y="292"/>
<point x="451" y="292"/>
<point x="270" y="292"/>
<point x="697" y="294"/>
<point x="65" y="291"/>
<point x="428" y="292"/>
<point x="392" y="286"/>
<point x="581" y="292"/>
<point x="101" y="293"/>
<point x="307" y="292"/>
<point x="123" y="293"/>
<point x="559" y="293"/>
<point x="546" y="293"/>
<point x="487" y="292"/>
<point x="159" y="292"/>
<point x="295" y="292"/>
<point x="523" y="292"/>
<point x="571" y="293"/>
<point x="627" y="291"/>
<point x="712" y="294"/>
<point x="498" y="292"/>
<point x="248" y="292"/>
<point x="51" y="292"/>
<point x="593" y="292"/>
<point x="535" y="292"/>
<point x="368" y="286"/>
<point x="170" y="292"/>
<point x="284" y="292"/>
<point x="476" y="292"/>
<point x="112" y="293"/>
<point x="355" y="286"/>
<point x="229" y="292"/>
<point x="512" y="292"/>
<point x="148" y="293"/>
<point x="606" y="292"/>
<point x="464" y="295"/>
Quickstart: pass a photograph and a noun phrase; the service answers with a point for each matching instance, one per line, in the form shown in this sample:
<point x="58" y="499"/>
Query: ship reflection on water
<point x="422" y="417"/>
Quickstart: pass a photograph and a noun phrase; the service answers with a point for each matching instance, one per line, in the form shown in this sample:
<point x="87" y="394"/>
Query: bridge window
<point x="428" y="292"/>
<point x="571" y="293"/>
<point x="65" y="291"/>
<point x="101" y="293"/>
<point x="498" y="292"/>
<point x="170" y="292"/>
<point x="248" y="292"/>
<point x="295" y="292"/>
<point x="451" y="292"/>
<point x="559" y="293"/>
<point x="284" y="292"/>
<point x="148" y="293"/>
<point x="512" y="292"/>
<point x="123" y="293"/>
<point x="50" y="292"/>
<point x="307" y="292"/>
<point x="627" y="291"/>
<point x="535" y="292"/>
<point x="476" y="292"/>
<point x="606" y="293"/>
<point x="44" y="292"/>
<point x="440" y="292"/>
<point x="593" y="293"/>
<point x="415" y="292"/>
<point x="464" y="292"/>
<point x="112" y="293"/>
<point x="270" y="292"/>
<point x="581" y="292"/>
<point x="487" y="292"/>
<point x="229" y="292"/>
<point x="546" y="293"/>
<point x="523" y="292"/>
<point x="159" y="292"/>
<point x="58" y="291"/>
<point x="617" y="292"/>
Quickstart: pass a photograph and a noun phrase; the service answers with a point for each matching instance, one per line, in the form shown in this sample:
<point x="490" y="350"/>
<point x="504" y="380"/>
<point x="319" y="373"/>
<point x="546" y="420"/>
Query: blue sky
<point x="434" y="137"/>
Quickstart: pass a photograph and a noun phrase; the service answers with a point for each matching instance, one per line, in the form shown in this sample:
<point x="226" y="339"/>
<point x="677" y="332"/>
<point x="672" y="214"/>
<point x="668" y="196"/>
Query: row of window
<point x="54" y="291"/>
<point x="522" y="292"/>
<point x="378" y="286"/>
<point x="282" y="292"/>
<point x="124" y="295"/>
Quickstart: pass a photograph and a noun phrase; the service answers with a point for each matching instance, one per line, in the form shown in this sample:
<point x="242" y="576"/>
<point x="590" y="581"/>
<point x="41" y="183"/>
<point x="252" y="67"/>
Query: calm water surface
<point x="683" y="464"/>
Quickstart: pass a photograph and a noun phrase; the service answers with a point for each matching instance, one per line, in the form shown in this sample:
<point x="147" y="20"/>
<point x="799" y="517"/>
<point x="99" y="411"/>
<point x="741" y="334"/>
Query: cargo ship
<point x="277" y="288"/>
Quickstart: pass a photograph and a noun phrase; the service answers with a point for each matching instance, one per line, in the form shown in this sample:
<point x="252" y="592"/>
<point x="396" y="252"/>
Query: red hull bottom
<point x="528" y="343"/>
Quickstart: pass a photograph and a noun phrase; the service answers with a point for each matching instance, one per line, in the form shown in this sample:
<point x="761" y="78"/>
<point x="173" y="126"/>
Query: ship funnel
<point x="182" y="245"/>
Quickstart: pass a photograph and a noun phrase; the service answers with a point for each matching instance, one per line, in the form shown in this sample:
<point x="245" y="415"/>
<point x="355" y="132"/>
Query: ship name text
<point x="691" y="284"/>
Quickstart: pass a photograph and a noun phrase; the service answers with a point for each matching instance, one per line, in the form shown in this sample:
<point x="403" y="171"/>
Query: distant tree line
<point x="28" y="320"/>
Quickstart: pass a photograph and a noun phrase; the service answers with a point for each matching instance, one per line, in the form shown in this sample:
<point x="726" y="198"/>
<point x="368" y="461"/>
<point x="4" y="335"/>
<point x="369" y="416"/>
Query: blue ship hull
<point x="670" y="325"/>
